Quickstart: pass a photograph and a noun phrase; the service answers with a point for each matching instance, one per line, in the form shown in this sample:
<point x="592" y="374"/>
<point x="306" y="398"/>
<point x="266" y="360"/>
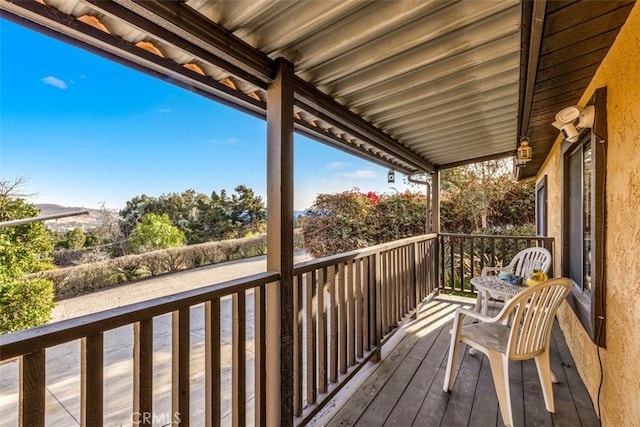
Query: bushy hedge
<point x="73" y="281"/>
<point x="345" y="221"/>
<point x="24" y="303"/>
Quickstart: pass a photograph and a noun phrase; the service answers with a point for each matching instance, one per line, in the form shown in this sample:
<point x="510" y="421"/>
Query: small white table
<point x="493" y="286"/>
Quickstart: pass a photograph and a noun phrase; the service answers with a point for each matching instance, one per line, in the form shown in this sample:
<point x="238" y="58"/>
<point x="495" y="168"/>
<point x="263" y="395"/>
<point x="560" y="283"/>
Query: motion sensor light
<point x="566" y="118"/>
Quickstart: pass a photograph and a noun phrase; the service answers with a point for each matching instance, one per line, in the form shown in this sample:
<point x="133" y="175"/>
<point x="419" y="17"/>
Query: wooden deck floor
<point x="405" y="388"/>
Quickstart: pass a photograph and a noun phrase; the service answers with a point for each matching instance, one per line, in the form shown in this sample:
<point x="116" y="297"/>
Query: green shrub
<point x="72" y="281"/>
<point x="24" y="303"/>
<point x="342" y="222"/>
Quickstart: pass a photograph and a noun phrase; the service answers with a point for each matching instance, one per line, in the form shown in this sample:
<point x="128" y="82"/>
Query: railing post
<point x="91" y="381"/>
<point x="32" y="389"/>
<point x="181" y="366"/>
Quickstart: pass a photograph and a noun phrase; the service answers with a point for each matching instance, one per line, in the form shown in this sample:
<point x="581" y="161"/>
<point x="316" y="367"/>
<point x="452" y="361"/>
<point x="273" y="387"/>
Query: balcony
<point x="372" y="317"/>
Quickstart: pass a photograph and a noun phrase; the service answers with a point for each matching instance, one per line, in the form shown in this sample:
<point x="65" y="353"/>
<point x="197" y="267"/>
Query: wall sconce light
<point x="391" y="176"/>
<point x="525" y="154"/>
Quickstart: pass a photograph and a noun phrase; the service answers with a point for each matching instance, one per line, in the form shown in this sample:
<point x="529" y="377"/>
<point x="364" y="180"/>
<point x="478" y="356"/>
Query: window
<point x="583" y="172"/>
<point x="541" y="207"/>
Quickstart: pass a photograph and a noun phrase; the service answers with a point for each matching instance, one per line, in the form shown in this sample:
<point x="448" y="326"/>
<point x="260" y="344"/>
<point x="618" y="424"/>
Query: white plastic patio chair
<point x="522" y="265"/>
<point x="524" y="262"/>
<point x="522" y="330"/>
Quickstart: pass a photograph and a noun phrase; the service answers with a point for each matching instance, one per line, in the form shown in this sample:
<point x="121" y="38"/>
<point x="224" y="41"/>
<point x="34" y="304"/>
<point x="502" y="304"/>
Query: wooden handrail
<point x="347" y="306"/>
<point x="34" y="339"/>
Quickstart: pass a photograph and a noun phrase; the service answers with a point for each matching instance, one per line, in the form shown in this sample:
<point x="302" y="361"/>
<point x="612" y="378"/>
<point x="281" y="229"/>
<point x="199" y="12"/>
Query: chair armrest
<point x="462" y="312"/>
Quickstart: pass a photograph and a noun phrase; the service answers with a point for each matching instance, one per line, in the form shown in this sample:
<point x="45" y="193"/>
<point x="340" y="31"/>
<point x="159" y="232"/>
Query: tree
<point x="484" y="197"/>
<point x="155" y="232"/>
<point x="76" y="239"/>
<point x="350" y="220"/>
<point x="248" y="211"/>
<point x="23" y="249"/>
<point x="200" y="217"/>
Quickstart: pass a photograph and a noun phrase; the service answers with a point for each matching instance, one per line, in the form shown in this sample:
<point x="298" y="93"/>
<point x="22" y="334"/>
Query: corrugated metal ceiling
<point x="439" y="79"/>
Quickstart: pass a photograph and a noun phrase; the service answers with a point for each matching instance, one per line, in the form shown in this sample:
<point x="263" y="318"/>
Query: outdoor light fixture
<point x="566" y="121"/>
<point x="391" y="176"/>
<point x="525" y="154"/>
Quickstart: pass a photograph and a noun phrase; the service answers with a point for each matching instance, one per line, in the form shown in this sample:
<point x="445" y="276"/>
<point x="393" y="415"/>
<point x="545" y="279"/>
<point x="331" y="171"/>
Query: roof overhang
<point x="411" y="86"/>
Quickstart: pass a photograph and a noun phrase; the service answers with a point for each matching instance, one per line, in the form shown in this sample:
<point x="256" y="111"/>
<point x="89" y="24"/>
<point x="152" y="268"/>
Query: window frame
<point x="589" y="306"/>
<point x="541" y="207"/>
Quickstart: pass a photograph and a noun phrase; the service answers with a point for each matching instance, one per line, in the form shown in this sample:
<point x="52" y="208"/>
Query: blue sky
<point x="84" y="131"/>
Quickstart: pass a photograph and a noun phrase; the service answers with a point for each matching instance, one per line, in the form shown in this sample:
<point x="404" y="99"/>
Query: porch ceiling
<point x="410" y="85"/>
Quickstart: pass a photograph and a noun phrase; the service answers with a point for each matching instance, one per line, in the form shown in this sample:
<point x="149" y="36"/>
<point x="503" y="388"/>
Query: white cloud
<point x="359" y="174"/>
<point x="337" y="165"/>
<point x="55" y="82"/>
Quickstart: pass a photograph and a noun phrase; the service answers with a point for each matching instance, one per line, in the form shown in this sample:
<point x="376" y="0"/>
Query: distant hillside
<point x="85" y="222"/>
<point x="50" y="208"/>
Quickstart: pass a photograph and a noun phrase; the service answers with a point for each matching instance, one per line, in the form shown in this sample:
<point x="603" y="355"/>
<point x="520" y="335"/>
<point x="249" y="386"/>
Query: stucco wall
<point x="620" y="395"/>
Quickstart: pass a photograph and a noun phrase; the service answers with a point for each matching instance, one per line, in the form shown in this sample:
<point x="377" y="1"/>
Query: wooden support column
<point x="279" y="345"/>
<point x="435" y="202"/>
<point x="435" y="226"/>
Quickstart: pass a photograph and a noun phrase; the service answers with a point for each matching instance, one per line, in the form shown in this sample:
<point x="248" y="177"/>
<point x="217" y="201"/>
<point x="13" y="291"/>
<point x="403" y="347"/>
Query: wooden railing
<point x="463" y="256"/>
<point x="346" y="307"/>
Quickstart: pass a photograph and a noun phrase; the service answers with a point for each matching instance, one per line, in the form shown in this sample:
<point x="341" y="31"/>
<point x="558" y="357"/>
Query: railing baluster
<point x="351" y="316"/>
<point x="180" y="343"/>
<point x="143" y="369"/>
<point x="377" y="300"/>
<point x="91" y="378"/>
<point x="32" y="389"/>
<point x="366" y="304"/>
<point x="359" y="311"/>
<point x="311" y="310"/>
<point x="472" y="254"/>
<point x="461" y="263"/>
<point x="238" y="363"/>
<point x="333" y="326"/>
<point x="297" y="345"/>
<point x="397" y="288"/>
<point x="453" y="266"/>
<point x="385" y="300"/>
<point x="322" y="330"/>
<point x="414" y="279"/>
<point x="342" y="319"/>
<point x="213" y="359"/>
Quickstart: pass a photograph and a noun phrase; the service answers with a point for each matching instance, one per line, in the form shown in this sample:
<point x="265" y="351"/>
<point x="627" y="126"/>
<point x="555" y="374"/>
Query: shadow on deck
<point x="405" y="388"/>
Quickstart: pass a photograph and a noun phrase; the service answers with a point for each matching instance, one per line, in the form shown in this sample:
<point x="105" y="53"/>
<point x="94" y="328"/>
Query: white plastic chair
<point x="522" y="330"/>
<point x="522" y="265"/>
<point x="524" y="262"/>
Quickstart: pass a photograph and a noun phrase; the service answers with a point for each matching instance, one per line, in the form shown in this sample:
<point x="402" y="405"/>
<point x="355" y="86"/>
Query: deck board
<point x="405" y="388"/>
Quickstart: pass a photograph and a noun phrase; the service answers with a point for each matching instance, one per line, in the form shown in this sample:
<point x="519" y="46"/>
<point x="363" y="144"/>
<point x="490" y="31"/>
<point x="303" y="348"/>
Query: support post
<point x="279" y="342"/>
<point x="435" y="202"/>
<point x="435" y="225"/>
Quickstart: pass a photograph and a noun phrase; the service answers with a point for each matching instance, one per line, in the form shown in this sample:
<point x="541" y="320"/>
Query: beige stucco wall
<point x="620" y="396"/>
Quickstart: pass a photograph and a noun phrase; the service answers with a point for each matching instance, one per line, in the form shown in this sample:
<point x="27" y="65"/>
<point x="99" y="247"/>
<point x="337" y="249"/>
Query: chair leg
<point x="450" y="374"/>
<point x="544" y="373"/>
<point x="478" y="306"/>
<point x="500" y="372"/>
